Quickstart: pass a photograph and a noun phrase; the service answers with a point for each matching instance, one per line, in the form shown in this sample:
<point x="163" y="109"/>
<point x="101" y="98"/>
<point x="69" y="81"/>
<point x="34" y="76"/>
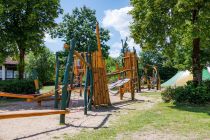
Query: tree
<point x="23" y="24"/>
<point x="173" y="27"/>
<point x="125" y="47"/>
<point x="43" y="64"/>
<point x="153" y="58"/>
<point x="111" y="64"/>
<point x="81" y="25"/>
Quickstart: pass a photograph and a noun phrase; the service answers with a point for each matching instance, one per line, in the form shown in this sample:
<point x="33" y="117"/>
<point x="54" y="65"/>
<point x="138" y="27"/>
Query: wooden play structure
<point x="150" y="77"/>
<point x="31" y="97"/>
<point x="95" y="89"/>
<point x="90" y="65"/>
<point x="127" y="75"/>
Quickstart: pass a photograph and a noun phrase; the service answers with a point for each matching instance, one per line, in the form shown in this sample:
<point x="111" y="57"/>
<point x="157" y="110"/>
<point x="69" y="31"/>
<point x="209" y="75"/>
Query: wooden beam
<point x="81" y="58"/>
<point x="31" y="114"/>
<point x="22" y="96"/>
<point x="118" y="72"/>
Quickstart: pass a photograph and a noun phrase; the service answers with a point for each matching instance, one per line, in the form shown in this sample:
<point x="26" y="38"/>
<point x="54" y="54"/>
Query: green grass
<point x="181" y="120"/>
<point x="151" y="94"/>
<point x="47" y="88"/>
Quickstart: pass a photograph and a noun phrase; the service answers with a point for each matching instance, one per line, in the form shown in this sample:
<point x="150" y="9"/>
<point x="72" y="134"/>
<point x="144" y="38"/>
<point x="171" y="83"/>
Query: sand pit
<point x="47" y="127"/>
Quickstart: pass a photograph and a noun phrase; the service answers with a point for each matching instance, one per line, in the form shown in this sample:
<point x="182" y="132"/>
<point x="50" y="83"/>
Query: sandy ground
<point x="47" y="127"/>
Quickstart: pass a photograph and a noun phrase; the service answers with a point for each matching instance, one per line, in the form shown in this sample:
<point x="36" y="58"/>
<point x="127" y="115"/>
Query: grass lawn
<point x="173" y="122"/>
<point x="47" y="88"/>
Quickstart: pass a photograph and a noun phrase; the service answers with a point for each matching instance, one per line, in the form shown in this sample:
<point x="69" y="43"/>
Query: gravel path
<point x="47" y="127"/>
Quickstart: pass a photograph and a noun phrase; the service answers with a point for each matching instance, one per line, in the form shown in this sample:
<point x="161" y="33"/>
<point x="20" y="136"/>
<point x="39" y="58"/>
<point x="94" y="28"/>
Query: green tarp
<point x="205" y="74"/>
<point x="172" y="81"/>
<point x="182" y="75"/>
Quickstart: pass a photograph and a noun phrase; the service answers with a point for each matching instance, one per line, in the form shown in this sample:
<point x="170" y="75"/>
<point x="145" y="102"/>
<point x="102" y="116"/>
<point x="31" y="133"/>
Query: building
<point x="8" y="70"/>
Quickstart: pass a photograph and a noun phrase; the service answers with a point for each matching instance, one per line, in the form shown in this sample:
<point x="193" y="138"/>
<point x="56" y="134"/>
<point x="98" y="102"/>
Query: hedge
<point x="18" y="86"/>
<point x="190" y="94"/>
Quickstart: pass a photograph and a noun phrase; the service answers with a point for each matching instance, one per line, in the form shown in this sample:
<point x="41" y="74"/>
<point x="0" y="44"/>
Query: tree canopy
<point x="81" y="26"/>
<point x="178" y="28"/>
<point x="43" y="64"/>
<point x="23" y="25"/>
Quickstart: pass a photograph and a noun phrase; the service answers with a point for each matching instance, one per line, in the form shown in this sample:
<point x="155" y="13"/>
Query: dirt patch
<point x="47" y="127"/>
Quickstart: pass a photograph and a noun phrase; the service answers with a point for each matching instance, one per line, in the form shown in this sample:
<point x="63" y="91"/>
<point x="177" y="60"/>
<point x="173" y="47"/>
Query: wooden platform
<point x="21" y="114"/>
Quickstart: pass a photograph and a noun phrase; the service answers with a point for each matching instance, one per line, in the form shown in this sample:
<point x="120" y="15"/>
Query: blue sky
<point x="111" y="14"/>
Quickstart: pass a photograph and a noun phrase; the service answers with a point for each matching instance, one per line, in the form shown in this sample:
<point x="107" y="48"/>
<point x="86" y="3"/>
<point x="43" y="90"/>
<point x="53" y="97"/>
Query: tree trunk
<point x="21" y="67"/>
<point x="196" y="66"/>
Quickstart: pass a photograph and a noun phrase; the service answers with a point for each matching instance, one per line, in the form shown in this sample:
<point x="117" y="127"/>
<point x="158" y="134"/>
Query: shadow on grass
<point x="192" y="108"/>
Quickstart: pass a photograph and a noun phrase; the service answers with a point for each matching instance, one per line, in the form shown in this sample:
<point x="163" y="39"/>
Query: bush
<point x="49" y="83"/>
<point x="188" y="94"/>
<point x="41" y="65"/>
<point x="18" y="86"/>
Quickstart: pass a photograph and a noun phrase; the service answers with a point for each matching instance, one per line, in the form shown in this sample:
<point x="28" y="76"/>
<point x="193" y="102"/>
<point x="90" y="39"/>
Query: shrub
<point x="188" y="94"/>
<point x="18" y="86"/>
<point x="49" y="83"/>
<point x="167" y="95"/>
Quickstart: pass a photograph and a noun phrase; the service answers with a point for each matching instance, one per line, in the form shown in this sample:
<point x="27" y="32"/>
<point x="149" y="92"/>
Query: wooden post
<point x="86" y="88"/>
<point x="131" y="77"/>
<point x="56" y="81"/>
<point x="36" y="83"/>
<point x="69" y="66"/>
<point x="71" y="84"/>
<point x="91" y="82"/>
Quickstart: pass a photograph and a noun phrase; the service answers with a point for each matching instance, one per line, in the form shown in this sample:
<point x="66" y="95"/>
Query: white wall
<point x="3" y="72"/>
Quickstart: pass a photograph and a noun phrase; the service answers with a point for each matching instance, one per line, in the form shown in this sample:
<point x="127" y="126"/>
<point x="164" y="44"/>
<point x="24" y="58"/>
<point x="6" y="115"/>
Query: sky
<point x="111" y="14"/>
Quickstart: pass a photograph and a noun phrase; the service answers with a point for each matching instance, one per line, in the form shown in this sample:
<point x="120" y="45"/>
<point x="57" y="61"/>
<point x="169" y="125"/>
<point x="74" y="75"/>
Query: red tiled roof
<point x="9" y="61"/>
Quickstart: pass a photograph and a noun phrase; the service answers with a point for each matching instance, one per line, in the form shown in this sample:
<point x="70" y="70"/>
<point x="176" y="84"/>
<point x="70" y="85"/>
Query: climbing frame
<point x="130" y="63"/>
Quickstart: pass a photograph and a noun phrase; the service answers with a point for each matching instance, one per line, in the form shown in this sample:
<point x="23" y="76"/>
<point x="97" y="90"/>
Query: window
<point x="15" y="74"/>
<point x="9" y="74"/>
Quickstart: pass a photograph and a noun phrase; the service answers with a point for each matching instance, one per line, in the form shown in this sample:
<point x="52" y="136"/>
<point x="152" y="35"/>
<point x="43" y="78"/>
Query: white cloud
<point x="48" y="39"/>
<point x="53" y="44"/>
<point x="115" y="49"/>
<point x="119" y="20"/>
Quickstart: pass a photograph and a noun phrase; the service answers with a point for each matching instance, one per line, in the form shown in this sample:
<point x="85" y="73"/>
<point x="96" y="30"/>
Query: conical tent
<point x="206" y="74"/>
<point x="181" y="78"/>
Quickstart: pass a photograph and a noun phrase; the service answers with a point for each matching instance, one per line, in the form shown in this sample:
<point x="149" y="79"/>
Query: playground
<point x="107" y="70"/>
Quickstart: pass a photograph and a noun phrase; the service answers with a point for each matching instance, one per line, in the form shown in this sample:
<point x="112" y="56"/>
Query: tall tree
<point x="176" y="27"/>
<point x="43" y="64"/>
<point x="23" y="24"/>
<point x="81" y="25"/>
